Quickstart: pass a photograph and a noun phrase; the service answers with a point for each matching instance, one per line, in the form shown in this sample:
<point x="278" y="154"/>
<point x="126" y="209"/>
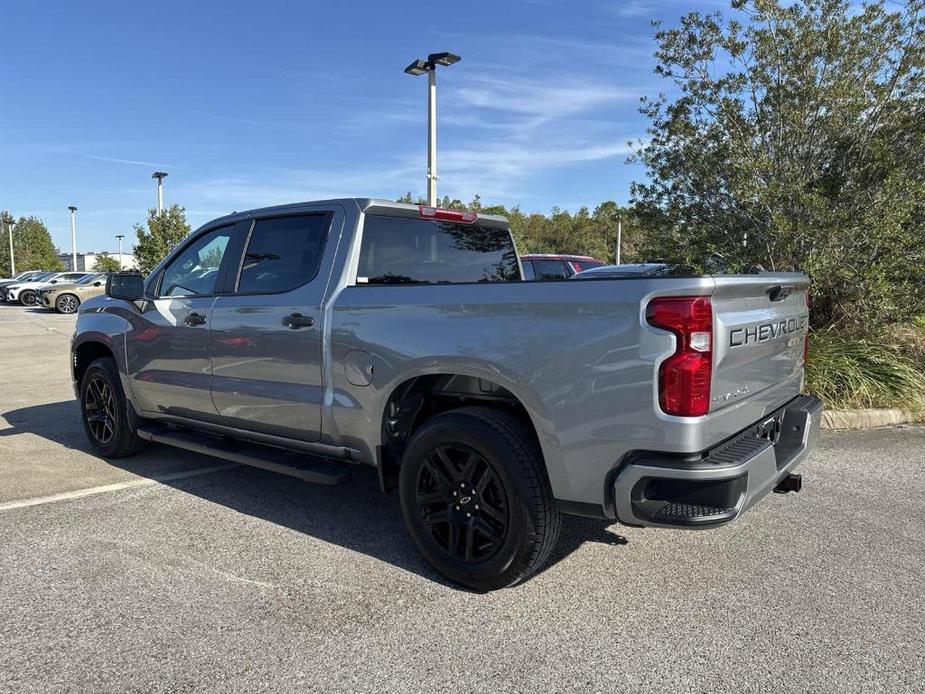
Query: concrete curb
<point x="865" y="419"/>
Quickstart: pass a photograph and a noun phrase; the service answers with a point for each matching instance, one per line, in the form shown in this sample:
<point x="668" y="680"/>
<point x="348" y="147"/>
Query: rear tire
<point x="476" y="499"/>
<point x="67" y="303"/>
<point x="27" y="298"/>
<point x="104" y="411"/>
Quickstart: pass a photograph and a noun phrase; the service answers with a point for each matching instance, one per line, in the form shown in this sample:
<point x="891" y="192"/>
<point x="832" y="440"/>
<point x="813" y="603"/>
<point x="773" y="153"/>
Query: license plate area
<point x="770" y="429"/>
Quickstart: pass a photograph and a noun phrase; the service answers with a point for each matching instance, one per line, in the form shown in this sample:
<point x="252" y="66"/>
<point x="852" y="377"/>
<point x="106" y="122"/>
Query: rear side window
<point x="283" y="253"/>
<point x="550" y="270"/>
<point x="399" y="250"/>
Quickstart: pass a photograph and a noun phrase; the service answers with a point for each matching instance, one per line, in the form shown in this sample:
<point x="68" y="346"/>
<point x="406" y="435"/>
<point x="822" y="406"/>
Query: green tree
<point x="164" y="231"/>
<point x="584" y="233"/>
<point x="796" y="139"/>
<point x="106" y="263"/>
<point x="33" y="248"/>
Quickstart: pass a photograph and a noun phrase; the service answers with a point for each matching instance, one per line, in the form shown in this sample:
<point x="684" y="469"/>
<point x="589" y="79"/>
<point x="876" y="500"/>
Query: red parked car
<point x="552" y="266"/>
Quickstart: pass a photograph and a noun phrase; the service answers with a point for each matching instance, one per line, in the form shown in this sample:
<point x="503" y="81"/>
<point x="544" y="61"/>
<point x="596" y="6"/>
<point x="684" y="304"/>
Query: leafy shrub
<point x="793" y="136"/>
<point x="850" y="373"/>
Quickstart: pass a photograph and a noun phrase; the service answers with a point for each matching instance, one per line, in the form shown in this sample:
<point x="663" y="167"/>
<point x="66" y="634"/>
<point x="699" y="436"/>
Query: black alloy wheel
<point x="476" y="498"/>
<point x="462" y="503"/>
<point x="100" y="408"/>
<point x="105" y="411"/>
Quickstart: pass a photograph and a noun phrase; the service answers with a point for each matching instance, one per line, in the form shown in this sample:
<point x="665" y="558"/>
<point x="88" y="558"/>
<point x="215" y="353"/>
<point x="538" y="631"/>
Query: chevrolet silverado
<point x="310" y="338"/>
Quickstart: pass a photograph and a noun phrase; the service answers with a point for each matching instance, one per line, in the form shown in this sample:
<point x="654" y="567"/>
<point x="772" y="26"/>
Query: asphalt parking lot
<point x="173" y="572"/>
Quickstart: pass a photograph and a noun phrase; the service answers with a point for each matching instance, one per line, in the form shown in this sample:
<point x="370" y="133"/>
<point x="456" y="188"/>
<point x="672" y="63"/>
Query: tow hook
<point x="791" y="483"/>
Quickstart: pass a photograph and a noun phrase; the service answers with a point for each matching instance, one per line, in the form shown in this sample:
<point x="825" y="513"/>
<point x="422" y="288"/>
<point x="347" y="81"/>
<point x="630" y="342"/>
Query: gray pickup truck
<point x="309" y="338"/>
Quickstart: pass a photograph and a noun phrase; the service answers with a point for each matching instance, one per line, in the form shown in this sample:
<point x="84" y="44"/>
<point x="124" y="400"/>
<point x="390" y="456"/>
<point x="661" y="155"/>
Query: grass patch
<point x="849" y="373"/>
<point x="908" y="338"/>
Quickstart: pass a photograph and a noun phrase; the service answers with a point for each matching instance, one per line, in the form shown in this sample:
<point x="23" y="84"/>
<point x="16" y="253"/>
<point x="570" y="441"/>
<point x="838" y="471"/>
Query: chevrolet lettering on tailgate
<point x="763" y="332"/>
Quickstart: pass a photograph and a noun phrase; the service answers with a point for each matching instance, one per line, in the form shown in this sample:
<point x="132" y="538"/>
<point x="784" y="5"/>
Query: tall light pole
<point x="429" y="67"/>
<point x="9" y="226"/>
<point x="73" y="238"/>
<point x="120" y="237"/>
<point x="160" y="176"/>
<point x="619" y="236"/>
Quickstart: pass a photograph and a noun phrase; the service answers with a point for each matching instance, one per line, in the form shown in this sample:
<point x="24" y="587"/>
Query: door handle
<point x="297" y="320"/>
<point x="194" y="319"/>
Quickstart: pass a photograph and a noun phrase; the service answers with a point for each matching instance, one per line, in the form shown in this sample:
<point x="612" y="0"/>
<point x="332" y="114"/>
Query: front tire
<point x="67" y="303"/>
<point x="27" y="298"/>
<point x="476" y="499"/>
<point x="104" y="411"/>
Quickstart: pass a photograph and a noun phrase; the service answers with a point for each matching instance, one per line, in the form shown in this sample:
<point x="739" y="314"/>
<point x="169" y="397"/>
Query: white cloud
<point x="555" y="97"/>
<point x="116" y="160"/>
<point x="497" y="134"/>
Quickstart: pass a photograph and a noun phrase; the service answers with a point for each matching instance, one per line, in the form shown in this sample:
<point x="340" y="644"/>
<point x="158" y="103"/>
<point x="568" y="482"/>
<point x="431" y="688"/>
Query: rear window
<point x="399" y="250"/>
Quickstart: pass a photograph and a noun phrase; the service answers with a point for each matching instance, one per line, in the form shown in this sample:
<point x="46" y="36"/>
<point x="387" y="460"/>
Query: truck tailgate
<point x="759" y="326"/>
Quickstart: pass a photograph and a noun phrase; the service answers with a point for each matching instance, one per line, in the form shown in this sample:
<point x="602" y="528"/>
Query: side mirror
<point x="97" y="283"/>
<point x="125" y="285"/>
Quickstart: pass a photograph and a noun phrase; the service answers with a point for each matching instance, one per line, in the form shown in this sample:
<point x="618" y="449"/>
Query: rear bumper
<point x="718" y="485"/>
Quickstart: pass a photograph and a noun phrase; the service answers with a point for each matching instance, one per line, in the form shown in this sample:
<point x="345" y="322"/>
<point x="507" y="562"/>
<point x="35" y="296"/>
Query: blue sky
<point x="252" y="104"/>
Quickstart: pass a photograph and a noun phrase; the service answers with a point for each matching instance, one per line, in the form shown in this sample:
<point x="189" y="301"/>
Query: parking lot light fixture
<point x="120" y="237"/>
<point x="160" y="176"/>
<point x="417" y="68"/>
<point x="73" y="238"/>
<point x="9" y="227"/>
<point x="429" y="67"/>
<point x="445" y="59"/>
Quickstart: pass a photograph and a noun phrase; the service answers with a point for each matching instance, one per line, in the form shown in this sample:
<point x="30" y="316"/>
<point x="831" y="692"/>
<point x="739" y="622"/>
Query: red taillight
<point x="685" y="377"/>
<point x="447" y="215"/>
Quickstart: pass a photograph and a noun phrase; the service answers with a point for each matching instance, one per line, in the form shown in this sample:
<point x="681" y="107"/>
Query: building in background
<point x="86" y="261"/>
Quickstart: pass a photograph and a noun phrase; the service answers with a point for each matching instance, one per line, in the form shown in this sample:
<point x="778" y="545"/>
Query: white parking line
<point x="90" y="491"/>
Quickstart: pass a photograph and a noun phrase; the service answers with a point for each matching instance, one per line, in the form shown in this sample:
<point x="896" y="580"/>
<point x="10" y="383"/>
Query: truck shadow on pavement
<point x="354" y="515"/>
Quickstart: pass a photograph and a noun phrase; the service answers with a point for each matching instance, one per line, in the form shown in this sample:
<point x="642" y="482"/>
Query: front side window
<point x="399" y="250"/>
<point x="283" y="253"/>
<point x="195" y="271"/>
<point x="529" y="274"/>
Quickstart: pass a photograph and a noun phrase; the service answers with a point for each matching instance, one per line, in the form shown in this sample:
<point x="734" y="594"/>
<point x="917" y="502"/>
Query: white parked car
<point x="27" y="292"/>
<point x="22" y="276"/>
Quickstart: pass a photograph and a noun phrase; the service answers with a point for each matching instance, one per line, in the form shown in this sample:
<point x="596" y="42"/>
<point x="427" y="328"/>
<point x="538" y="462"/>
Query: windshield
<point x="42" y="276"/>
<point x="90" y="279"/>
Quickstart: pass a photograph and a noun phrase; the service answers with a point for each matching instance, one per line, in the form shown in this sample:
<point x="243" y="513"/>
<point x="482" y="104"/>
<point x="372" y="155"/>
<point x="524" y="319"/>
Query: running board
<point x="305" y="467"/>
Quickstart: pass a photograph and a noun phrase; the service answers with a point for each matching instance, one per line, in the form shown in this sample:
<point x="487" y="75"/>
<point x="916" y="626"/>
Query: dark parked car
<point x="628" y="270"/>
<point x="549" y="266"/>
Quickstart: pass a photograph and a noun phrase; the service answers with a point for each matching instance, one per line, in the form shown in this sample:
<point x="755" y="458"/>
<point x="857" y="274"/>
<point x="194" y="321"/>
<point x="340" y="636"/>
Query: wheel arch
<point x="88" y="351"/>
<point x="415" y="397"/>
